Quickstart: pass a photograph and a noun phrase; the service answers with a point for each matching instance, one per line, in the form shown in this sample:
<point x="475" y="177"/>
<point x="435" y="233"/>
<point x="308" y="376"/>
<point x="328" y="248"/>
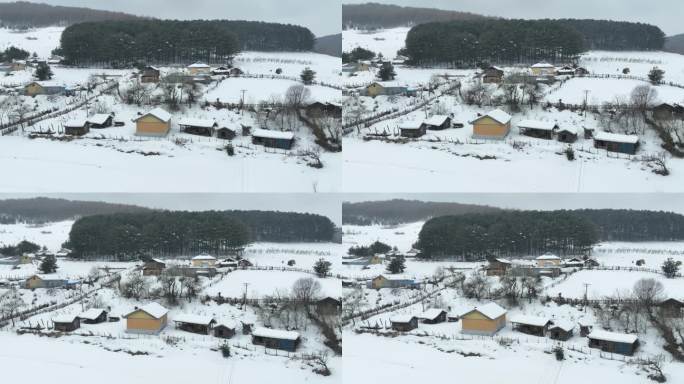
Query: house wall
<point x="489" y="128"/>
<point x="151" y="126"/>
<point x="476" y="323"/>
<point x="34" y="89"/>
<point x="142" y="322"/>
<point x="548" y="263"/>
<point x="375" y="90"/>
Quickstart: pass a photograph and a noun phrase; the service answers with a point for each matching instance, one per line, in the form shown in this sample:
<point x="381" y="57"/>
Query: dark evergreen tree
<point x="364" y="251"/>
<point x="656" y="75"/>
<point x="397" y="265"/>
<point x="387" y="72"/>
<point x="43" y="72"/>
<point x="308" y="76"/>
<point x="671" y="267"/>
<point x="322" y="267"/>
<point x="48" y="265"/>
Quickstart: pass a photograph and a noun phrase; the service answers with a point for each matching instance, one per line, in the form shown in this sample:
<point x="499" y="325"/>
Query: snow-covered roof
<point x="205" y="123"/>
<point x="431" y="313"/>
<point x="616" y="137"/>
<point x="193" y="319"/>
<point x="159" y="113"/>
<point x="402" y="318"/>
<point x="275" y="333"/>
<point x="543" y="65"/>
<point x="155" y="310"/>
<point x="64" y="319"/>
<point x="615" y="337"/>
<point x="537" y="124"/>
<point x="410" y="124"/>
<point x="76" y="123"/>
<point x="498" y="115"/>
<point x="436" y="120"/>
<point x="204" y="257"/>
<point x="198" y="65"/>
<point x="548" y="257"/>
<point x="504" y="261"/>
<point x="272" y="134"/>
<point x="564" y="325"/>
<point x="569" y="129"/>
<point x="99" y="118"/>
<point x="536" y="321"/>
<point x="91" y="314"/>
<point x="491" y="310"/>
<point x="397" y="277"/>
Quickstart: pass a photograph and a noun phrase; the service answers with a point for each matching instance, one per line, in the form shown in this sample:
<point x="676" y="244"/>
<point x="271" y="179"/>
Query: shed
<point x="93" y="316"/>
<point x="561" y="330"/>
<point x="438" y="122"/>
<point x="585" y="327"/>
<point x="411" y="128"/>
<point x="573" y="263"/>
<point x="493" y="75"/>
<point x="328" y="305"/>
<point x="495" y="124"/>
<point x="614" y="342"/>
<point x="484" y="320"/>
<point x="150" y="74"/>
<point x="76" y="127"/>
<point x="153" y="267"/>
<point x="195" y="323"/>
<point x="615" y="142"/>
<point x="202" y="127"/>
<point x="276" y="338"/>
<point x="531" y="325"/>
<point x="45" y="281"/>
<point x="273" y="139"/>
<point x="404" y="323"/>
<point x="567" y="134"/>
<point x="382" y="281"/>
<point x="225" y="133"/>
<point x="498" y="267"/>
<point x="671" y="307"/>
<point x="156" y="122"/>
<point x="538" y="129"/>
<point x="224" y="331"/>
<point x="148" y="319"/>
<point x="66" y="323"/>
<point x="433" y="316"/>
<point x="100" y="120"/>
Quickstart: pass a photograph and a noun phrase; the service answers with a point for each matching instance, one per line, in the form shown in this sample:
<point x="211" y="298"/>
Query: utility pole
<point x="242" y="100"/>
<point x="244" y="297"/>
<point x="586" y="101"/>
<point x="586" y="295"/>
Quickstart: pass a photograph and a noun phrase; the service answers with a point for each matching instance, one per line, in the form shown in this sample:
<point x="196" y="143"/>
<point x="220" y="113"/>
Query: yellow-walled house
<point x="199" y="69"/>
<point x="376" y="259"/>
<point x="149" y="319"/>
<point x="485" y="320"/>
<point x="548" y="260"/>
<point x="493" y="125"/>
<point x="156" y="122"/>
<point x="543" y="69"/>
<point x="203" y="261"/>
<point x="27" y="258"/>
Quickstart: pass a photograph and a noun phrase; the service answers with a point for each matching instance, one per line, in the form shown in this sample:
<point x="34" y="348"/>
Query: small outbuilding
<point x="531" y="325"/>
<point x="328" y="305"/>
<point x="276" y="338"/>
<point x="273" y="139"/>
<point x="199" y="68"/>
<point x="382" y="281"/>
<point x="224" y="331"/>
<point x="148" y="319"/>
<point x="404" y="323"/>
<point x="437" y="122"/>
<point x="150" y="74"/>
<point x="195" y="323"/>
<point x="93" y="316"/>
<point x="100" y="120"/>
<point x="614" y="342"/>
<point x="412" y="129"/>
<point x="484" y="320"/>
<point x="494" y="125"/>
<point x="201" y="127"/>
<point x="671" y="307"/>
<point x="433" y="316"/>
<point x="548" y="260"/>
<point x="566" y="134"/>
<point x="493" y="75"/>
<point x="561" y="330"/>
<point x="225" y="133"/>
<point x="156" y="122"/>
<point x="615" y="142"/>
<point x="76" y="127"/>
<point x="538" y="129"/>
<point x="66" y="323"/>
<point x="498" y="267"/>
<point x="204" y="261"/>
<point x="153" y="267"/>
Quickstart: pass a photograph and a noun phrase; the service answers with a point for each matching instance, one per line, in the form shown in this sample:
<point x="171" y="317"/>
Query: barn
<point x="202" y="325"/>
<point x="485" y="320"/>
<point x="273" y="139"/>
<point x="225" y="133"/>
<point x="404" y="323"/>
<point x="76" y="127"/>
<point x="433" y="316"/>
<point x="201" y="127"/>
<point x="276" y="338"/>
<point x="93" y="316"/>
<point x="438" y="122"/>
<point x="493" y="75"/>
<point x="392" y="282"/>
<point x="531" y="325"/>
<point x="100" y="120"/>
<point x="498" y="267"/>
<point x="156" y="122"/>
<point x="538" y="129"/>
<point x="66" y="323"/>
<point x="614" y="342"/>
<point x="224" y="331"/>
<point x="494" y="125"/>
<point x="153" y="267"/>
<point x="561" y="330"/>
<point x="148" y="319"/>
<point x="615" y="142"/>
<point x="671" y="307"/>
<point x="567" y="134"/>
<point x="150" y="74"/>
<point x="412" y="129"/>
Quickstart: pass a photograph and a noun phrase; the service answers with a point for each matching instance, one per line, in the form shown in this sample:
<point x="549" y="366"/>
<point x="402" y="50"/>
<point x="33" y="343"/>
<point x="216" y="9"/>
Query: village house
<point x="377" y="258"/>
<point x="404" y="323"/>
<point x="614" y="342"/>
<point x="548" y="260"/>
<point x="150" y="74"/>
<point x="221" y="70"/>
<point x="385" y="88"/>
<point x="411" y="129"/>
<point x="273" y="139"/>
<point x="437" y="122"/>
<point x="43" y="88"/>
<point x="493" y="75"/>
<point x="543" y="69"/>
<point x="228" y="262"/>
<point x="585" y="327"/>
<point x="671" y="308"/>
<point x="328" y="305"/>
<point x="276" y="338"/>
<point x="93" y="316"/>
<point x="561" y="330"/>
<point x="433" y="316"/>
<point x="318" y="109"/>
<point x="199" y="68"/>
<point x="581" y="71"/>
<point x="531" y="325"/>
<point x="153" y="267"/>
<point x="76" y="127"/>
<point x="100" y="120"/>
<point x="565" y="70"/>
<point x="566" y="134"/>
<point x="27" y="258"/>
<point x="156" y="122"/>
<point x="201" y="127"/>
<point x="484" y="320"/>
<point x="498" y="267"/>
<point x="149" y="319"/>
<point x="43" y="281"/>
<point x="17" y="65"/>
<point x="381" y="281"/>
<point x="224" y="331"/>
<point x="615" y="142"/>
<point x="493" y="125"/>
<point x="226" y="133"/>
<point x="66" y="323"/>
<point x="573" y="263"/>
<point x="590" y="263"/>
<point x="204" y="260"/>
<point x="667" y="111"/>
<point x="195" y="323"/>
<point x="538" y="129"/>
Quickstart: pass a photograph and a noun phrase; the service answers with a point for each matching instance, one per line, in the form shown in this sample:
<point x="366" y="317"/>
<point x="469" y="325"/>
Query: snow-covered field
<point x="50" y="235"/>
<point x="386" y="41"/>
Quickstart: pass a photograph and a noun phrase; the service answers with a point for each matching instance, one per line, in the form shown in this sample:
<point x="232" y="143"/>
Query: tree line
<point x="373" y="15"/>
<point x="502" y="41"/>
<point x="397" y="211"/>
<point x="126" y="43"/>
<point x="42" y="210"/>
<point x="24" y="15"/>
<point x="635" y="225"/>
<point x="175" y="233"/>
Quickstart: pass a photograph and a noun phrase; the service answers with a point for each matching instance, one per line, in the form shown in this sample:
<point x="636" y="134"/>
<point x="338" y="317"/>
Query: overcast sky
<point x="322" y="204"/>
<point x="546" y="201"/>
<point x="667" y="14"/>
<point x="322" y="17"/>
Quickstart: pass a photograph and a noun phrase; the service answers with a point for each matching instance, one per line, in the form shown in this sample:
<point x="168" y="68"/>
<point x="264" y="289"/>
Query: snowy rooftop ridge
<point x="537" y="124"/>
<point x="99" y="118"/>
<point x="615" y="337"/>
<point x="431" y="314"/>
<point x="410" y="124"/>
<point x="543" y="64"/>
<point x="491" y="310"/>
<point x="198" y="65"/>
<point x="548" y="257"/>
<point x="436" y="120"/>
<point x="154" y="309"/>
<point x="402" y="318"/>
<point x="616" y="137"/>
<point x="91" y="314"/>
<point x="159" y="113"/>
<point x="76" y="123"/>
<point x="194" y="319"/>
<point x="64" y="319"/>
<point x="536" y="321"/>
<point x="565" y="325"/>
<point x="497" y="114"/>
<point x="204" y="257"/>
<point x="275" y="333"/>
<point x="191" y="122"/>
<point x="265" y="133"/>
